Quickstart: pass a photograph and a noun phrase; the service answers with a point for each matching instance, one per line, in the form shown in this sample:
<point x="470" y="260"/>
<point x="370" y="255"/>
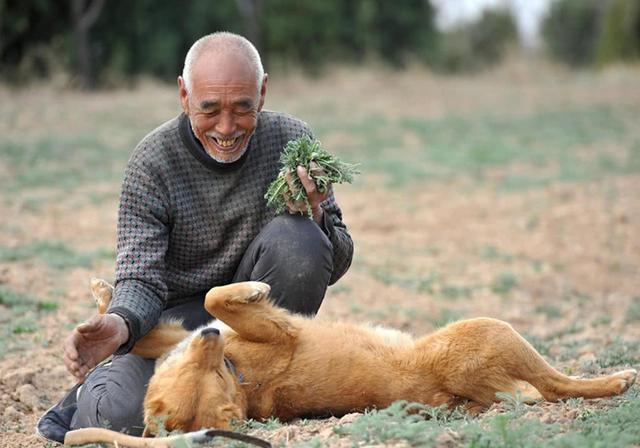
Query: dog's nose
<point x="209" y="332"/>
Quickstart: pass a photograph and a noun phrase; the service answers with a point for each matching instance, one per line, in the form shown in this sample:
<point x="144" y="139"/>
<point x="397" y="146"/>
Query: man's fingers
<point x="91" y="325"/>
<point x="307" y="182"/>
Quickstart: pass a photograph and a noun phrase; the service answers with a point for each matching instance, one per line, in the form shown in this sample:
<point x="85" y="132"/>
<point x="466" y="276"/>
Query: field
<point x="513" y="194"/>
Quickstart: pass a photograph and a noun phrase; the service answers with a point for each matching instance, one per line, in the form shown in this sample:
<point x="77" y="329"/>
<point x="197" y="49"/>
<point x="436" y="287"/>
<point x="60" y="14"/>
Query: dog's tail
<point x="160" y="340"/>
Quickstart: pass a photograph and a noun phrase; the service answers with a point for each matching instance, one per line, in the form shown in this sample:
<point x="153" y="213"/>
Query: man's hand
<point x="313" y="195"/>
<point x="92" y="342"/>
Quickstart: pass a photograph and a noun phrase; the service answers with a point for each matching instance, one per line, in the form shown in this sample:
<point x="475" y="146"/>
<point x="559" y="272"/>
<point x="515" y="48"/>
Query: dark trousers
<point x="291" y="254"/>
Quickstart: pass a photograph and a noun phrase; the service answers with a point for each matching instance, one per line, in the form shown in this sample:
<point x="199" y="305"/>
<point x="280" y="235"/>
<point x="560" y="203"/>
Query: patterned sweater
<point x="186" y="220"/>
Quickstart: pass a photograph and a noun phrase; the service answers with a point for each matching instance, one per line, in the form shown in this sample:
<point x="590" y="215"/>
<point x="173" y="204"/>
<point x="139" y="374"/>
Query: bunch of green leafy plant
<point x="323" y="167"/>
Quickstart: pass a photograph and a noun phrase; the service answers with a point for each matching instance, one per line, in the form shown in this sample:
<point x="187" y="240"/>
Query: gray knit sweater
<point x="186" y="220"/>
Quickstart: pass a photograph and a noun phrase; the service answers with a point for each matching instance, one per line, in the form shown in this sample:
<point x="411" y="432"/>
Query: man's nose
<point x="226" y="124"/>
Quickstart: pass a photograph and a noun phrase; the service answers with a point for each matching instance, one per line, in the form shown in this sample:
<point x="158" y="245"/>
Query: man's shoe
<point x="56" y="422"/>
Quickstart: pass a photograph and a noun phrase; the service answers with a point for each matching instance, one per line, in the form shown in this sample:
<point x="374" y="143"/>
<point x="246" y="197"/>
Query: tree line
<point x="105" y="42"/>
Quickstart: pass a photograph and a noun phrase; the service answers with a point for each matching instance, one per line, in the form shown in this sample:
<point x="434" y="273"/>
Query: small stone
<point x="18" y="378"/>
<point x="28" y="395"/>
<point x="12" y="414"/>
<point x="349" y="418"/>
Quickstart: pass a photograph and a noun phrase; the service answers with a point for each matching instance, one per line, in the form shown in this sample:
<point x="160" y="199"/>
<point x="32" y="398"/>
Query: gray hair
<point x="217" y="43"/>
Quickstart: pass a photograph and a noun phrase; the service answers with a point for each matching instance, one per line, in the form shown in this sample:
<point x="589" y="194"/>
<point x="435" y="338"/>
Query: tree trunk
<point x="251" y="12"/>
<point x="84" y="15"/>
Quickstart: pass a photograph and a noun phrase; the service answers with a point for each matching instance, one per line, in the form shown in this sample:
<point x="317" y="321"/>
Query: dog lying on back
<point x="259" y="361"/>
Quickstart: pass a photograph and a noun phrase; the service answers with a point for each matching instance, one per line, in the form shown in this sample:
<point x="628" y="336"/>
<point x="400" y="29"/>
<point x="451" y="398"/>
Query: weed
<point x="25" y="311"/>
<point x="456" y="292"/>
<point x="617" y="426"/>
<point x="491" y="252"/>
<point x="411" y="423"/>
<point x="603" y="320"/>
<point x="504" y="283"/>
<point x="574" y="328"/>
<point x="268" y="425"/>
<point x="551" y="311"/>
<point x="514" y="402"/>
<point x="633" y="311"/>
<point x="446" y="316"/>
<point x="56" y="254"/>
<point x="541" y="345"/>
<point x="620" y="352"/>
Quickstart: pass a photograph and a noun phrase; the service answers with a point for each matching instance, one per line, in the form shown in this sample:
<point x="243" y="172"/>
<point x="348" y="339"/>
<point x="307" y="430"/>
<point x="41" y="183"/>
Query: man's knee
<point x="297" y="242"/>
<point x="112" y="396"/>
<point x="295" y="257"/>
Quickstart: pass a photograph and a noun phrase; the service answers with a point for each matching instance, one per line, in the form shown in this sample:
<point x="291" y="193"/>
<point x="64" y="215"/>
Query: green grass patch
<point x="504" y="283"/>
<point x="417" y="425"/>
<point x="562" y="145"/>
<point x="633" y="311"/>
<point x="620" y="352"/>
<point x="66" y="162"/>
<point x="21" y="317"/>
<point x="549" y="310"/>
<point x="56" y="254"/>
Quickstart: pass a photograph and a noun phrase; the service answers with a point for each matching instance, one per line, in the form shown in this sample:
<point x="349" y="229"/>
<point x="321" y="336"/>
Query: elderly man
<point x="192" y="215"/>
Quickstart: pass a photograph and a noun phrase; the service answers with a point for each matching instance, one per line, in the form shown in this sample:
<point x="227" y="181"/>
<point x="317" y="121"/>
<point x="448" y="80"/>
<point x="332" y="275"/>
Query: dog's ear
<point x="227" y="413"/>
<point x="101" y="291"/>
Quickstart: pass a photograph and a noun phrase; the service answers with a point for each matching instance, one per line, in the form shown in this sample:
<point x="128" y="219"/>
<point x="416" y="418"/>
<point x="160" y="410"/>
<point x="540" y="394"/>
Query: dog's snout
<point x="209" y="332"/>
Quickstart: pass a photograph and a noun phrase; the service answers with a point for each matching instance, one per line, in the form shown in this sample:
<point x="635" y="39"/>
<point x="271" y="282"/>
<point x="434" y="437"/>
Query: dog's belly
<point x="332" y="370"/>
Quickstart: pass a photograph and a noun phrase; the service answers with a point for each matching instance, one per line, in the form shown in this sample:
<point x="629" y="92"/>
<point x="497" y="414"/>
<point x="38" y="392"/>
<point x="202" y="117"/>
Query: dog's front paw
<point x="251" y="292"/>
<point x="243" y="292"/>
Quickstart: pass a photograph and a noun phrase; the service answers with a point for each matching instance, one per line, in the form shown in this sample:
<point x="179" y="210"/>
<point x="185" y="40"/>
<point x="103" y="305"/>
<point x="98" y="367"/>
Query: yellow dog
<point x="258" y="361"/>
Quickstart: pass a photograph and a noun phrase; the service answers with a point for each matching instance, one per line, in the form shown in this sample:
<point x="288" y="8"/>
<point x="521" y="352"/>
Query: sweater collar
<point x="197" y="150"/>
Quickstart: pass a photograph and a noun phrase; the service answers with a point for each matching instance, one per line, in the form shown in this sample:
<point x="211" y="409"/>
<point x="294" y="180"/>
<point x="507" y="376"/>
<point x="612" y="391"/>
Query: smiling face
<point x="223" y="104"/>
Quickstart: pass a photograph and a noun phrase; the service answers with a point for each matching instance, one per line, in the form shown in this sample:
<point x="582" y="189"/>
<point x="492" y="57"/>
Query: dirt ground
<point x="561" y="262"/>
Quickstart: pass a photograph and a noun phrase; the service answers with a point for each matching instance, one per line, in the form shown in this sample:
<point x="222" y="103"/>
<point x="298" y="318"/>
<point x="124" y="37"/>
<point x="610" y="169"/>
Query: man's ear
<point x="263" y="91"/>
<point x="184" y="95"/>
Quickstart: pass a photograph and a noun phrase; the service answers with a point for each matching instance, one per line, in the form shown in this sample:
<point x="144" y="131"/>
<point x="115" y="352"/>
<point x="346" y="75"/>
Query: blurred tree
<point x="571" y="30"/>
<point x="84" y="14"/>
<point x="620" y="36"/>
<point x="313" y="32"/>
<point x="398" y="31"/>
<point x="152" y="38"/>
<point x="27" y="34"/>
<point x="479" y="44"/>
<point x="251" y="12"/>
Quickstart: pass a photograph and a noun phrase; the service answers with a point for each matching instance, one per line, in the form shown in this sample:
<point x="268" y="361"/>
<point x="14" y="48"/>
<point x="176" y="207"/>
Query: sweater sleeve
<point x="339" y="237"/>
<point x="142" y="241"/>
<point x="335" y="229"/>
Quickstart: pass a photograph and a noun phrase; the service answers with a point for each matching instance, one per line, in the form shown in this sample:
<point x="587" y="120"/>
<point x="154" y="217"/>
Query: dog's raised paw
<point x="626" y="378"/>
<point x="260" y="291"/>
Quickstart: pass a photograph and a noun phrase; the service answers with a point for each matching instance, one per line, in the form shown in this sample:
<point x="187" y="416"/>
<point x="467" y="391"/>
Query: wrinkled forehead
<point x="229" y="72"/>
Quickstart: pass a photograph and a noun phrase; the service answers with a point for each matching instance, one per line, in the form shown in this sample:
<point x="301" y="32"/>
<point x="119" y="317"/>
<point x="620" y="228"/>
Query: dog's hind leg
<point x="513" y="358"/>
<point x="478" y="358"/>
<point x="101" y="292"/>
<point x="246" y="308"/>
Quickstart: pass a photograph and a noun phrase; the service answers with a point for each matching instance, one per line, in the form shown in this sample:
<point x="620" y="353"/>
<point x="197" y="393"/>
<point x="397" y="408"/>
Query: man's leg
<point x="295" y="257"/>
<point x="112" y="395"/>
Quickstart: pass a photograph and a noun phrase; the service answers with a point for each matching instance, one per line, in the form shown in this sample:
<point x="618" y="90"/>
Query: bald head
<point x="222" y="45"/>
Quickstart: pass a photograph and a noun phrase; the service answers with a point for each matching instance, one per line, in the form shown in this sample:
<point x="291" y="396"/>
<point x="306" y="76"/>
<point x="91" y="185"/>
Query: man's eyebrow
<point x="209" y="104"/>
<point x="246" y="103"/>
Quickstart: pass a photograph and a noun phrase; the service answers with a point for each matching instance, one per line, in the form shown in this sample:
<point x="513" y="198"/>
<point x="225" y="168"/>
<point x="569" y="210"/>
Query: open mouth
<point x="226" y="144"/>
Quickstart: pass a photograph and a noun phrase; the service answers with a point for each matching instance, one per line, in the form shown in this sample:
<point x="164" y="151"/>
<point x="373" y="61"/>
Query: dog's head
<point x="193" y="388"/>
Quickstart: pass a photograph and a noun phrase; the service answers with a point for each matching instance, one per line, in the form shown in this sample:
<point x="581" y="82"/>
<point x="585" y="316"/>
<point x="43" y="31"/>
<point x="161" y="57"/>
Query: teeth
<point x="225" y="143"/>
